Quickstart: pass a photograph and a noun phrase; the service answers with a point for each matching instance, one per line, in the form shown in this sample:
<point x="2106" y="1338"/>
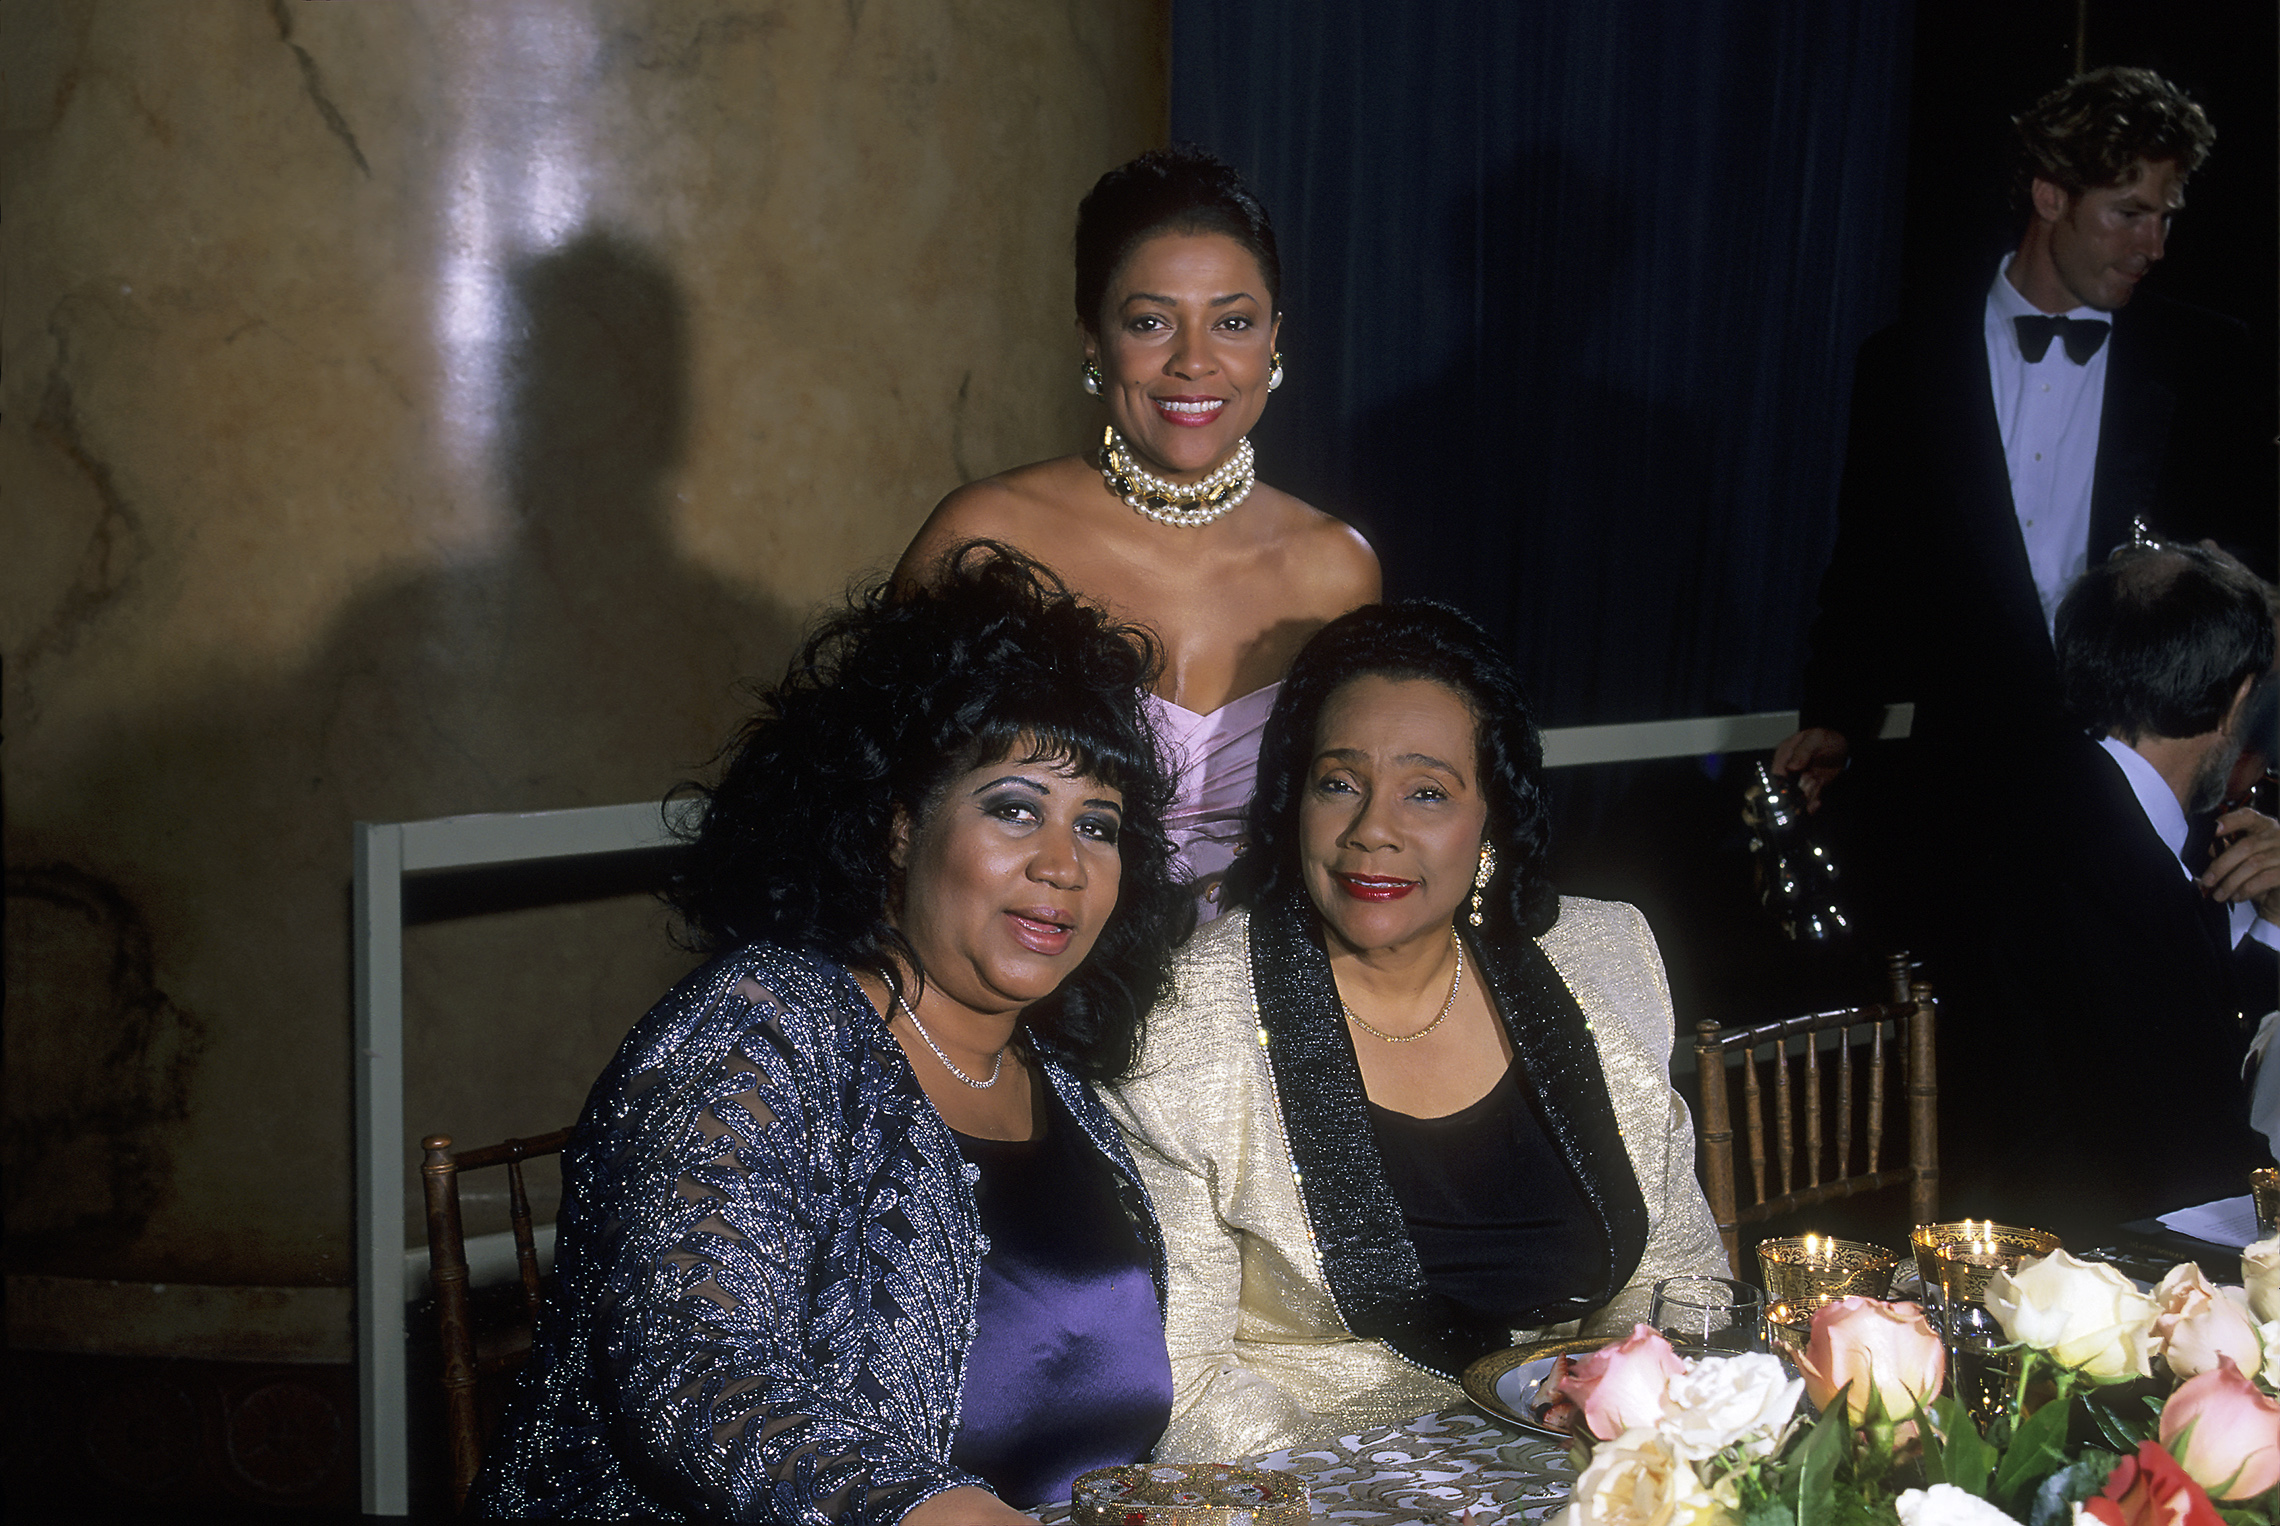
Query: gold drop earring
<point x="1481" y="878"/>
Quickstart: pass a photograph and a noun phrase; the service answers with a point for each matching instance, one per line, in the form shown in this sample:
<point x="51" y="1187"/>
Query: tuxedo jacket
<point x="2111" y="1090"/>
<point x="1928" y="596"/>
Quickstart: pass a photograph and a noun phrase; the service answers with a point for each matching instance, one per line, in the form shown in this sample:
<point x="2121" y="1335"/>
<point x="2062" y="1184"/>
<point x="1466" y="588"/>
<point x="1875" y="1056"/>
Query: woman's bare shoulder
<point x="1332" y="560"/>
<point x="1015" y="507"/>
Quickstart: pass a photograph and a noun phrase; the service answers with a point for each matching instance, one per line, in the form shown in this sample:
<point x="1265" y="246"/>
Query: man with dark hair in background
<point x="2002" y="442"/>
<point x="2111" y="1086"/>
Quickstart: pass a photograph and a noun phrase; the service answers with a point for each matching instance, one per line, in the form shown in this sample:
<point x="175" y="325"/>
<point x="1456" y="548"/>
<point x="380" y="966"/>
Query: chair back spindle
<point x="1826" y="1172"/>
<point x="440" y="1169"/>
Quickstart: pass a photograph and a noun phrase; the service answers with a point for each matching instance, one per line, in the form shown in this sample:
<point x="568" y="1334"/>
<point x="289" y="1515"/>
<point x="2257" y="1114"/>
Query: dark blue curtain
<point x="1573" y="292"/>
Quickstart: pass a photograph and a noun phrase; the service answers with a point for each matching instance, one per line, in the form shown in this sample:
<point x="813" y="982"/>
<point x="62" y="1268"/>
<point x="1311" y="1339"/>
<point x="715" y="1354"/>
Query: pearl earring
<point x="1089" y="378"/>
<point x="1274" y="376"/>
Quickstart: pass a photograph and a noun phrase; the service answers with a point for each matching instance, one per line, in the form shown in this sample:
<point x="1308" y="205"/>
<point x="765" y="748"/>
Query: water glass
<point x="1978" y="1374"/>
<point x="1702" y="1316"/>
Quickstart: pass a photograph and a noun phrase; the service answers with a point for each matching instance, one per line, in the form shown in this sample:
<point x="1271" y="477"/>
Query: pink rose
<point x="1872" y="1350"/>
<point x="2201" y="1324"/>
<point x="2232" y="1446"/>
<point x="2151" y="1490"/>
<point x="1622" y="1385"/>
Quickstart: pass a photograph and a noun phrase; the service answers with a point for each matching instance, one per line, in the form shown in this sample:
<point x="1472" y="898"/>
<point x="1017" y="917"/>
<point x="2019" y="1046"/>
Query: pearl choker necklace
<point x="1173" y="503"/>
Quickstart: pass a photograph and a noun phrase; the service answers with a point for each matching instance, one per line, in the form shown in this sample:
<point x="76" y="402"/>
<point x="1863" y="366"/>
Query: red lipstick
<point x="1370" y="887"/>
<point x="1188" y="412"/>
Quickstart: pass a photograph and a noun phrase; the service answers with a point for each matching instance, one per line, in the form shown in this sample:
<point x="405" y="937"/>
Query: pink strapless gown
<point x="1217" y="759"/>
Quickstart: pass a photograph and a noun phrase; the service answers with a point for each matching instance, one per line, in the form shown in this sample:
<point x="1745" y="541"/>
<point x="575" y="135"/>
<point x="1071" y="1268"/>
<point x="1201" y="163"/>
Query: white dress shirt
<point x="2159" y="802"/>
<point x="2048" y="413"/>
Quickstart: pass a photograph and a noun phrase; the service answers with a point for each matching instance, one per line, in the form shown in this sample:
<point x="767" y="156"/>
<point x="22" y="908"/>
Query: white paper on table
<point x="2229" y="1221"/>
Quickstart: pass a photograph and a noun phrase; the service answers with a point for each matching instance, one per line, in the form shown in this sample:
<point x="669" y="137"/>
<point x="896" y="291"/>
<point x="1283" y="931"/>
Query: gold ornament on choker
<point x="1446" y="1007"/>
<point x="1189" y="507"/>
<point x="996" y="1065"/>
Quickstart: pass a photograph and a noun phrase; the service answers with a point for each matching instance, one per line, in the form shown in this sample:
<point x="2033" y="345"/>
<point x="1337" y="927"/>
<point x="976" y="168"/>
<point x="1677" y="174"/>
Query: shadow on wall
<point x="179" y="1008"/>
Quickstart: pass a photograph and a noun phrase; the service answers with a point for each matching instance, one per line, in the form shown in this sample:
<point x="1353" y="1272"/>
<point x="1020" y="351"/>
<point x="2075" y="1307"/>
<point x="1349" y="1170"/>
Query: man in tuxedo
<point x="2002" y="440"/>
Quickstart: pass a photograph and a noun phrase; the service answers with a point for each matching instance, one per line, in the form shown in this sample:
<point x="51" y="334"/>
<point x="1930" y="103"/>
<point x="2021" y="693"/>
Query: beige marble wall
<point x="420" y="407"/>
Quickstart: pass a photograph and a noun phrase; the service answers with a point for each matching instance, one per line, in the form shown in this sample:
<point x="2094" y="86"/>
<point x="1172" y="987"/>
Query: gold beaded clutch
<point x="1188" y="1494"/>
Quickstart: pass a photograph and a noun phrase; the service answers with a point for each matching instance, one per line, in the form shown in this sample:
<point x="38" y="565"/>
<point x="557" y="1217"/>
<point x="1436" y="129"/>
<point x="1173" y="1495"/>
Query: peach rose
<point x="2149" y="1489"/>
<point x="1621" y="1386"/>
<point x="2224" y="1433"/>
<point x="2200" y="1323"/>
<point x="1870" y="1349"/>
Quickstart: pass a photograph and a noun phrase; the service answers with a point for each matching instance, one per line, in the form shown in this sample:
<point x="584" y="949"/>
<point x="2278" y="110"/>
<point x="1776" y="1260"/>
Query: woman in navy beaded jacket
<point x="845" y="1233"/>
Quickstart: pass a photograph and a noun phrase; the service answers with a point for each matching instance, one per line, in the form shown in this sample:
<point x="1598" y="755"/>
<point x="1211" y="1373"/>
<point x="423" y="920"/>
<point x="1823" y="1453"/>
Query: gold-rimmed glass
<point x="1965" y="1257"/>
<point x="2264" y="1189"/>
<point x="1803" y="1272"/>
<point x="1962" y="1267"/>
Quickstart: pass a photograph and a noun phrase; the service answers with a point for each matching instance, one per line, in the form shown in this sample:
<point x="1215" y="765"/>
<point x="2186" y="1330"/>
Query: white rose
<point x="1728" y="1399"/>
<point x="2200" y="1322"/>
<point x="2089" y="1318"/>
<point x="1946" y="1505"/>
<point x="1638" y="1480"/>
<point x="2260" y="1269"/>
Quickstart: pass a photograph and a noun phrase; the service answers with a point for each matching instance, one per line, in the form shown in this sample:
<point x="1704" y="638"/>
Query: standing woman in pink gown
<point x="1165" y="522"/>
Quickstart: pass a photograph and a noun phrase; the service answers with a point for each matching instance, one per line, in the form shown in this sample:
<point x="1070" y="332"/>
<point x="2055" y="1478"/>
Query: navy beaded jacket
<point x="767" y="1260"/>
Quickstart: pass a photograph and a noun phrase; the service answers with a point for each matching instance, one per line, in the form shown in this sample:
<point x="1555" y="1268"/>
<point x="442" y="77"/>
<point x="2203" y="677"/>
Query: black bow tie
<point x="2082" y="335"/>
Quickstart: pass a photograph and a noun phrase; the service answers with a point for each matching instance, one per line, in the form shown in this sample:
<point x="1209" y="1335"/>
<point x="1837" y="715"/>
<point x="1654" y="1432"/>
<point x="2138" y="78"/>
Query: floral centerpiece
<point x="2128" y="1408"/>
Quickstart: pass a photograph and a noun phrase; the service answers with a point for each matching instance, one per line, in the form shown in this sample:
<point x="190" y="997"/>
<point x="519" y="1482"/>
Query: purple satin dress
<point x="1216" y="759"/>
<point x="1068" y="1371"/>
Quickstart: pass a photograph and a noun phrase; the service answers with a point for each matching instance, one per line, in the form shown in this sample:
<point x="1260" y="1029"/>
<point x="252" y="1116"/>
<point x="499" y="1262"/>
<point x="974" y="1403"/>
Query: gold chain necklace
<point x="1446" y="1007"/>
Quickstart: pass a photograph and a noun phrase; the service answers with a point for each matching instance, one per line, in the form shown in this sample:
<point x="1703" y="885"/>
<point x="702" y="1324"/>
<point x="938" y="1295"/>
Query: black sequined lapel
<point x="1560" y="1060"/>
<point x="1367" y="1256"/>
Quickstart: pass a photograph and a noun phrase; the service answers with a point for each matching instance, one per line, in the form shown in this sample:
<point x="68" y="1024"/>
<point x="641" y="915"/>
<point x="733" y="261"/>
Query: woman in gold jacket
<point x="1406" y="1105"/>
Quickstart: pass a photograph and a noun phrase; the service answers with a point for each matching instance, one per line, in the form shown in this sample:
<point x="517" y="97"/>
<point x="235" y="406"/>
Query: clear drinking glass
<point x="1978" y="1374"/>
<point x="1702" y="1316"/>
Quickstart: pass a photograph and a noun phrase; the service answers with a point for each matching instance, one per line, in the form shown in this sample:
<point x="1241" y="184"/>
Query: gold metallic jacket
<point x="1298" y="1310"/>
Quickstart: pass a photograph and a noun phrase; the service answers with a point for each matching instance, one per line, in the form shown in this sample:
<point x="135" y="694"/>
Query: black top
<point x="1500" y="1225"/>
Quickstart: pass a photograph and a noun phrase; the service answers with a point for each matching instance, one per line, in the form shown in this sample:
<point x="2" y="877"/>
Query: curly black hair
<point x="1180" y="189"/>
<point x="1411" y="638"/>
<point x="2089" y="132"/>
<point x="887" y="702"/>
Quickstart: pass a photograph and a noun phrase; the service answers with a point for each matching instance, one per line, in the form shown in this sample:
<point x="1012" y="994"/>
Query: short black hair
<point x="1410" y="638"/>
<point x="1180" y="189"/>
<point x="888" y="701"/>
<point x="2155" y="641"/>
<point x="2090" y="130"/>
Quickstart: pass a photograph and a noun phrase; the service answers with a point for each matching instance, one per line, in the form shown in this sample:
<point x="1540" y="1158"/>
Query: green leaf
<point x="2122" y="1431"/>
<point x="2038" y="1449"/>
<point x="1965" y="1457"/>
<point x="1817" y="1464"/>
<point x="2079" y="1480"/>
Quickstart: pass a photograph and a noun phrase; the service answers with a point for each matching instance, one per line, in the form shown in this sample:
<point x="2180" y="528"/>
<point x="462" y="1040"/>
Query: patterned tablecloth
<point x="1432" y="1470"/>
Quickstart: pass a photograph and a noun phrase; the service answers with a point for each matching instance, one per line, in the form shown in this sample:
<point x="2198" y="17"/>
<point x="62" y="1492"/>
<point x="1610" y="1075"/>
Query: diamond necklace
<point x="996" y="1065"/>
<point x="1408" y="1038"/>
<point x="1172" y="503"/>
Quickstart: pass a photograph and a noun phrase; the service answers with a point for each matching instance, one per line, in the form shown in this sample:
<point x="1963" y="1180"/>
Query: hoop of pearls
<point x="1171" y="503"/>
